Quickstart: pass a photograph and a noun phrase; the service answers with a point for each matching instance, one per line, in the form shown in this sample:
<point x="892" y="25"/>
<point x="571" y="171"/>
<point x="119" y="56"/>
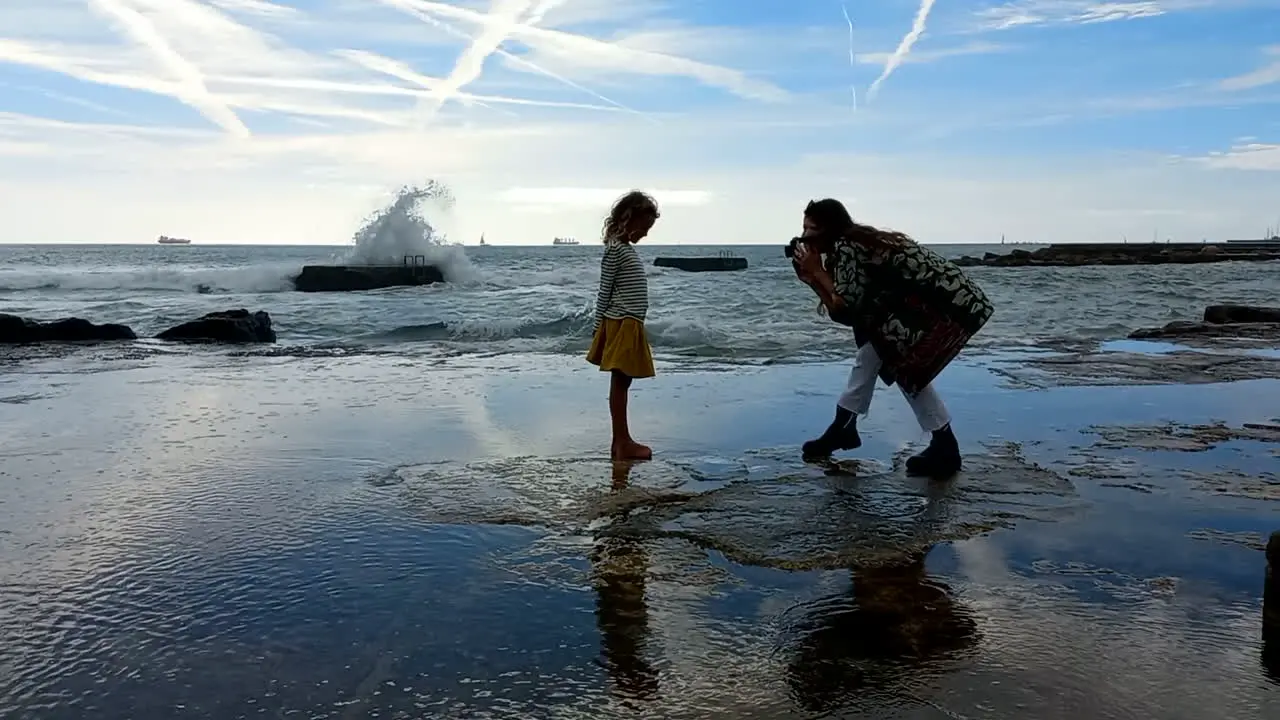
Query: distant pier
<point x="1079" y="254"/>
<point x="414" y="270"/>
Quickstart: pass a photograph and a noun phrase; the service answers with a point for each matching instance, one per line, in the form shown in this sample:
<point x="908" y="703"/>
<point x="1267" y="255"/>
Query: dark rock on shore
<point x="1080" y="254"/>
<point x="1085" y="369"/>
<point x="16" y="330"/>
<point x="1184" y="328"/>
<point x="229" y="326"/>
<point x="1221" y="322"/>
<point x="348" y="278"/>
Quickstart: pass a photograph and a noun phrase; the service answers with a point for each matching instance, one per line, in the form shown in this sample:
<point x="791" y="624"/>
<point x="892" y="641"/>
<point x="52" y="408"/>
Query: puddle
<point x="765" y="510"/>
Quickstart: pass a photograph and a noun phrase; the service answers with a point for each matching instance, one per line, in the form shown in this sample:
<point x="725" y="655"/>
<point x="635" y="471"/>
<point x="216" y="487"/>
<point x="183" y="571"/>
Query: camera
<point x="790" y="249"/>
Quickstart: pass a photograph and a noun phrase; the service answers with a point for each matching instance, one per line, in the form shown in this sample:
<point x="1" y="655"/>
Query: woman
<point x="911" y="310"/>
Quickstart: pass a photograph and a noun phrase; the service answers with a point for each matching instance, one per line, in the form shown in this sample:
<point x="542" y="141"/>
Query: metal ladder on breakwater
<point x="416" y="265"/>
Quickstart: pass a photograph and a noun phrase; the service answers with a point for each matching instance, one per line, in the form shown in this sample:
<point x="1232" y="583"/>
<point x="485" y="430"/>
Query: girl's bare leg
<point x="623" y="447"/>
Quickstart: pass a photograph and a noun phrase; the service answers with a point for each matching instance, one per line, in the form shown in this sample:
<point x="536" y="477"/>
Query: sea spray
<point x="401" y="229"/>
<point x="264" y="278"/>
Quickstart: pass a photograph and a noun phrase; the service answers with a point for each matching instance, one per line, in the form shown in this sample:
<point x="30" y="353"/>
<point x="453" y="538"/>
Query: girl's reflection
<point x="618" y="569"/>
<point x="894" y="623"/>
<point x="1271" y="611"/>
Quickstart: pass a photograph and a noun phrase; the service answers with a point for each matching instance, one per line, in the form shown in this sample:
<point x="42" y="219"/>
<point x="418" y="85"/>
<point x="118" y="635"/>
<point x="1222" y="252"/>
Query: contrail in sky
<point x="853" y="88"/>
<point x="904" y="47"/>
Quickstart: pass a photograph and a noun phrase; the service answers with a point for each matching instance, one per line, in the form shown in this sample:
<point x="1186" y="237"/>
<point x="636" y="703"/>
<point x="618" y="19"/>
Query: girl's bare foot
<point x="631" y="450"/>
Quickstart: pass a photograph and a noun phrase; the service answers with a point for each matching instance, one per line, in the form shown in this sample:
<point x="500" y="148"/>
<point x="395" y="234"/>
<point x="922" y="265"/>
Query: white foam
<point x="400" y="229"/>
<point x="274" y="277"/>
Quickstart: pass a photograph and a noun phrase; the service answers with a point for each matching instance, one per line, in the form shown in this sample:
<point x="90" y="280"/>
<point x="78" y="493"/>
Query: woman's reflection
<point x="618" y="569"/>
<point x="894" y="622"/>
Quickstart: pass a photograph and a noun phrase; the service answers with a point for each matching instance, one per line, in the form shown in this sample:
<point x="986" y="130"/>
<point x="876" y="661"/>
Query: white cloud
<point x="257" y="7"/>
<point x="1247" y="156"/>
<point x="530" y="181"/>
<point x="1023" y="13"/>
<point x="1268" y="74"/>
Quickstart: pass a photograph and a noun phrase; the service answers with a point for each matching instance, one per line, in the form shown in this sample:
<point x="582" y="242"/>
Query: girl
<point x="912" y="312"/>
<point x="620" y="346"/>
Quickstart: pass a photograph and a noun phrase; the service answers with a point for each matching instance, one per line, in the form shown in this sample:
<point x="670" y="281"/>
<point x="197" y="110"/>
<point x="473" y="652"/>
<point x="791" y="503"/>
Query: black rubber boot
<point x="940" y="460"/>
<point x="841" y="434"/>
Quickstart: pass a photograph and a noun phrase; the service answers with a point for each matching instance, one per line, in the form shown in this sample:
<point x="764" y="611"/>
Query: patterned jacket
<point x="916" y="308"/>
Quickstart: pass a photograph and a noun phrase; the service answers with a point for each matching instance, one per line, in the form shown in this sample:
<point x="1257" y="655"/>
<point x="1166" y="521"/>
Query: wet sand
<point x="367" y="536"/>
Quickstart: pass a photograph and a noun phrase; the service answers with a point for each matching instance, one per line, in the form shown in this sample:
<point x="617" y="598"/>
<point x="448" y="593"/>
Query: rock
<point x="16" y="330"/>
<point x="1221" y="321"/>
<point x="1223" y="314"/>
<point x="1273" y="550"/>
<point x="1184" y="329"/>
<point x="229" y="326"/>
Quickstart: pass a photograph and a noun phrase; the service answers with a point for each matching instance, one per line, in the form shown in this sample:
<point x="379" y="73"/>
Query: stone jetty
<point x="1079" y="254"/>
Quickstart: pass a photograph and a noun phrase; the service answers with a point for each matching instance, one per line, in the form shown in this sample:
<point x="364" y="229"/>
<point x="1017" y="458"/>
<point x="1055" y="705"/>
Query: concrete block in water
<point x="1228" y="314"/>
<point x="347" y="278"/>
<point x="703" y="264"/>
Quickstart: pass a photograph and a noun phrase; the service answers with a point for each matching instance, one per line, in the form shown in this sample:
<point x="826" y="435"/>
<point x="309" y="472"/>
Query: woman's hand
<point x="800" y="273"/>
<point x="808" y="263"/>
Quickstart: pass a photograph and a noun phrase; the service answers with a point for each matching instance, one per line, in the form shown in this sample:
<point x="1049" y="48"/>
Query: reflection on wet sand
<point x="619" y="566"/>
<point x="1271" y="610"/>
<point x="889" y="629"/>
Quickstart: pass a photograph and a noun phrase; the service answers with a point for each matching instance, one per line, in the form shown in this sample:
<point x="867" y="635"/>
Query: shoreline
<point x="345" y="535"/>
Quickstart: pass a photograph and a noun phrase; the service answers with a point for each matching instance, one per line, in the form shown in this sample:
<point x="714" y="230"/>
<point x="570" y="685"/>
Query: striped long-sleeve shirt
<point x="624" y="289"/>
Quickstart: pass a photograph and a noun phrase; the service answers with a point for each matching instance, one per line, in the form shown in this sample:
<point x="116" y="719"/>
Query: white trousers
<point x="930" y="411"/>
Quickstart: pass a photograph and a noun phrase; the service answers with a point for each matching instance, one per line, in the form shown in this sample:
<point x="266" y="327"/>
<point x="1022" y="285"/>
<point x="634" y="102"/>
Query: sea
<point x="539" y="299"/>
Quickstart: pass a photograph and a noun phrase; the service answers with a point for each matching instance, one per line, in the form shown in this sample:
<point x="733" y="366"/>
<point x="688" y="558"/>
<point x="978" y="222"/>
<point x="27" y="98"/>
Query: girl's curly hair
<point x="625" y="208"/>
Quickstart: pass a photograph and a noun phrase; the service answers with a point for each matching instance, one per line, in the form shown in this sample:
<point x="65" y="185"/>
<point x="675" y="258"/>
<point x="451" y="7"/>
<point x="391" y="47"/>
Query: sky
<point x="288" y="121"/>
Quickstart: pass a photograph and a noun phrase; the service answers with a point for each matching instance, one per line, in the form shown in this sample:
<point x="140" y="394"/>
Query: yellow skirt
<point x="622" y="345"/>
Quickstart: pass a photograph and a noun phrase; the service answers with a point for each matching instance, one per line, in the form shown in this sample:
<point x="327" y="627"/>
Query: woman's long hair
<point x="625" y="208"/>
<point x="834" y="220"/>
